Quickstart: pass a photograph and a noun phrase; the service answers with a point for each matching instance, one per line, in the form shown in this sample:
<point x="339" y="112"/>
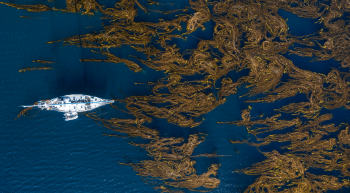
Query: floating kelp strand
<point x="275" y="172"/>
<point x="25" y="111"/>
<point x="238" y="141"/>
<point x="308" y="146"/>
<point x="76" y="6"/>
<point x="271" y="123"/>
<point x="132" y="128"/>
<point x="335" y="95"/>
<point x="170" y="160"/>
<point x="114" y="59"/>
<point x="209" y="155"/>
<point x="43" y="61"/>
<point x="31" y="8"/>
<point x="196" y="181"/>
<point x="201" y="16"/>
<point x="174" y="162"/>
<point x="36" y="68"/>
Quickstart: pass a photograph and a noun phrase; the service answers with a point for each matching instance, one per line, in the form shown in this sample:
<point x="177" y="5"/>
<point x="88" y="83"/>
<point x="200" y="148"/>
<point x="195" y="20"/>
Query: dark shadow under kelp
<point x="247" y="34"/>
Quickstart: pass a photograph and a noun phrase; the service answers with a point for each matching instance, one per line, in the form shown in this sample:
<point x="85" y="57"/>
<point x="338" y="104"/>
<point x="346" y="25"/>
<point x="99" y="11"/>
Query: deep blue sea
<point x="43" y="153"/>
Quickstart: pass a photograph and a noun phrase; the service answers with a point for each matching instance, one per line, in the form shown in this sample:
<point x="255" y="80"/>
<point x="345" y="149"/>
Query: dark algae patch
<point x="246" y="35"/>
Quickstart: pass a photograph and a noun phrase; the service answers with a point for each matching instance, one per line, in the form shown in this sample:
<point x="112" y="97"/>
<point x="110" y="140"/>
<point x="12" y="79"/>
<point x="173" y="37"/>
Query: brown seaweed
<point x="174" y="162"/>
<point x="246" y="35"/>
<point x="31" y="8"/>
<point x="25" y="111"/>
<point x="36" y="68"/>
<point x="43" y="61"/>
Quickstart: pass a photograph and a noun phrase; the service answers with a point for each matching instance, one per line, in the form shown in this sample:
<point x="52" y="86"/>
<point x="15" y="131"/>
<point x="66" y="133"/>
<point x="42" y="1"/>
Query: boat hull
<point x="72" y="104"/>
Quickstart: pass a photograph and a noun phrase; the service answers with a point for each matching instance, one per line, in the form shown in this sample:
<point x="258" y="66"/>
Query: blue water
<point x="44" y="153"/>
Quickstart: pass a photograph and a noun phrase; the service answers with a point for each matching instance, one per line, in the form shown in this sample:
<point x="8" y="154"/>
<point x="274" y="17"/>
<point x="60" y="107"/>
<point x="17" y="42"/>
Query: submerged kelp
<point x="247" y="34"/>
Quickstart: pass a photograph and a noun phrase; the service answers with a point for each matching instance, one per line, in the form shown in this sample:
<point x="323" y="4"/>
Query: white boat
<point x="72" y="104"/>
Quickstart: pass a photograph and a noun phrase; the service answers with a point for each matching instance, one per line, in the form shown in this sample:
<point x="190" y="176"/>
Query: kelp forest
<point x="248" y="35"/>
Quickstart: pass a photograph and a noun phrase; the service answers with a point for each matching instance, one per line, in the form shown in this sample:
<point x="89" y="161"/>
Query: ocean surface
<point x="43" y="153"/>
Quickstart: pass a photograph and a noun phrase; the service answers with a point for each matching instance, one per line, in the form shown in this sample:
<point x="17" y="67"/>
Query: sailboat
<point x="71" y="104"/>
